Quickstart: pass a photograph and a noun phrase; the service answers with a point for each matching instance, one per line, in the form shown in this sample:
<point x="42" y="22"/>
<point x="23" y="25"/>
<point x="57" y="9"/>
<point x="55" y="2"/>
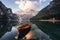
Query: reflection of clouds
<point x="29" y="35"/>
<point x="10" y="35"/>
<point x="38" y="33"/>
<point x="35" y="32"/>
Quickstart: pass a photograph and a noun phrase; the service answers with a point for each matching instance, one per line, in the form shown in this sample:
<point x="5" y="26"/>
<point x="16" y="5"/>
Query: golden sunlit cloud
<point x="26" y="6"/>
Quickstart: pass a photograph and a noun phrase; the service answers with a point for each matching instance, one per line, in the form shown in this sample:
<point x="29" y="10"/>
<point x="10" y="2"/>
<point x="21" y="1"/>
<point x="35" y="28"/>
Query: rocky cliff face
<point x="7" y="19"/>
<point x="51" y="11"/>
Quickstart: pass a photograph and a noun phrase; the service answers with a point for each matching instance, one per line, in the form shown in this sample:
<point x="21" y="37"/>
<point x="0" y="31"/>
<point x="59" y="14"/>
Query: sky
<point x="26" y="6"/>
<point x="12" y="4"/>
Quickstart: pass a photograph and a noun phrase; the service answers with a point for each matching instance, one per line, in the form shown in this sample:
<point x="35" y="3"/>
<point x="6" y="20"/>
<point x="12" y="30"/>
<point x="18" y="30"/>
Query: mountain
<point x="50" y="11"/>
<point x="7" y="19"/>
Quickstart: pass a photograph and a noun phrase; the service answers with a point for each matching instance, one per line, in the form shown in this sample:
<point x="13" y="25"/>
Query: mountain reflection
<point x="5" y="27"/>
<point x="36" y="34"/>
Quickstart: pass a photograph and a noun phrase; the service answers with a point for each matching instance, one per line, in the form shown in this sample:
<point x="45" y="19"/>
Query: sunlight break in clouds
<point x="26" y="6"/>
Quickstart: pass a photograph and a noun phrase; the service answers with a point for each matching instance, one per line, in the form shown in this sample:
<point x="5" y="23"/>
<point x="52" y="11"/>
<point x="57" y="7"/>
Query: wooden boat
<point x="23" y="30"/>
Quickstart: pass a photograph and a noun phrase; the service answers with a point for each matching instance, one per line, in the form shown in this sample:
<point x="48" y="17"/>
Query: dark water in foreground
<point x="10" y="35"/>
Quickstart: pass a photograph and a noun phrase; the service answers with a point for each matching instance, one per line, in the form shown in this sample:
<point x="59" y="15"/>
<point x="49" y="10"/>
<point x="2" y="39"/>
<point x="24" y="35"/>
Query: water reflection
<point x="5" y="28"/>
<point x="36" y="33"/>
<point x="10" y="35"/>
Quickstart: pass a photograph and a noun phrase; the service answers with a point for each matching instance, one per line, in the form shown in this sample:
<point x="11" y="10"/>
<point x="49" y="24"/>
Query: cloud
<point x="42" y="1"/>
<point x="27" y="6"/>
